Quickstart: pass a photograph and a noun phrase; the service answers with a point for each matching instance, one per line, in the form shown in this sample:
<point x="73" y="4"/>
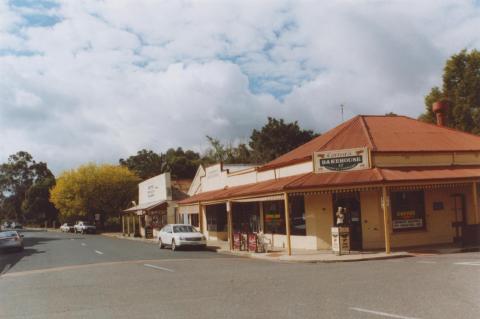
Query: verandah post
<point x="385" y="219"/>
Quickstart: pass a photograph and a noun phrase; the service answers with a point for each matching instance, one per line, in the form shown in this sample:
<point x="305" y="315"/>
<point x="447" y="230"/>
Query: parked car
<point x="66" y="228"/>
<point x="11" y="239"/>
<point x="180" y="235"/>
<point x="84" y="228"/>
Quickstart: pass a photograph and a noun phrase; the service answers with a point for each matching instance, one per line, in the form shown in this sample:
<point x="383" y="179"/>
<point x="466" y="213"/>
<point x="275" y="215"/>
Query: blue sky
<point x="98" y="80"/>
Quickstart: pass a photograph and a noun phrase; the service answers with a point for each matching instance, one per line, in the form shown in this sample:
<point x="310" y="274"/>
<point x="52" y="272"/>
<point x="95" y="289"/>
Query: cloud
<point x="98" y="80"/>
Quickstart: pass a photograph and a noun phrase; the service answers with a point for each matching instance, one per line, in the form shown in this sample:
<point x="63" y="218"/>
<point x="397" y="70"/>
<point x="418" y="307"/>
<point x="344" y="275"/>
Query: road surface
<point x="92" y="276"/>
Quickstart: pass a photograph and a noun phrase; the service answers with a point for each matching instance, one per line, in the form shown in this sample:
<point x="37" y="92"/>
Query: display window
<point x="297" y="216"/>
<point x="216" y="218"/>
<point x="408" y="210"/>
<point x="274" y="217"/>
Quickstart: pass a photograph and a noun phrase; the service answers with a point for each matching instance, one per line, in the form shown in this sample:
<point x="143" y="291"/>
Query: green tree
<point x="277" y="138"/>
<point x="17" y="177"/>
<point x="94" y="189"/>
<point x="461" y="86"/>
<point x="226" y="153"/>
<point x="145" y="164"/>
<point x="37" y="206"/>
<point x="180" y="163"/>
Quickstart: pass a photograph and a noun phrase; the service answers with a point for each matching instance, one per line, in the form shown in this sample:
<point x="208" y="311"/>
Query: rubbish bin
<point x="341" y="240"/>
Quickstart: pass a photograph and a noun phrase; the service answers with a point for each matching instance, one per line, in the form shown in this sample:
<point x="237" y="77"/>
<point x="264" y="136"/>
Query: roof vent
<point x="440" y="109"/>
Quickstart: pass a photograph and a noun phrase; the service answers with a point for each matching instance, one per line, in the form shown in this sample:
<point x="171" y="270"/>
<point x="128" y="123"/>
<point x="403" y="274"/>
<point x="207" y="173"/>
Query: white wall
<point x="155" y="189"/>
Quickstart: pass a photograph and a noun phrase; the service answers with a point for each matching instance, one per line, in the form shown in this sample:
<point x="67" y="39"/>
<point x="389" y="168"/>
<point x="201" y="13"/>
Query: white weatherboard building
<point x="156" y="207"/>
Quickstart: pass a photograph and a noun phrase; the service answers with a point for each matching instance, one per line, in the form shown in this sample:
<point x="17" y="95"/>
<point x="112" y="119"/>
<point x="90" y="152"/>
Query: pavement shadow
<point x="8" y="258"/>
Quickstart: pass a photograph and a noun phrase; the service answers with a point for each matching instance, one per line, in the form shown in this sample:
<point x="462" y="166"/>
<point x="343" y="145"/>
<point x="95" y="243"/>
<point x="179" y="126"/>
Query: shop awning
<point x="353" y="179"/>
<point x="146" y="206"/>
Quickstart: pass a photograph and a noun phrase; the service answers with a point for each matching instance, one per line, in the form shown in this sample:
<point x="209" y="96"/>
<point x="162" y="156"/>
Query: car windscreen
<point x="6" y="234"/>
<point x="184" y="229"/>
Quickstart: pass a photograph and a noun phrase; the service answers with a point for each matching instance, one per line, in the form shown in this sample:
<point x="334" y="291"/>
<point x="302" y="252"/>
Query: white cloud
<point x="111" y="77"/>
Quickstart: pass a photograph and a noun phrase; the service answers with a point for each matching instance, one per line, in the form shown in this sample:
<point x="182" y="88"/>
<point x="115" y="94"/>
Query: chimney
<point x="440" y="109"/>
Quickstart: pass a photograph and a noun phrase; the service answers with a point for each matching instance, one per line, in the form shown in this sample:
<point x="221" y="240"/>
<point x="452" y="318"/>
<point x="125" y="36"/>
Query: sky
<point x="94" y="81"/>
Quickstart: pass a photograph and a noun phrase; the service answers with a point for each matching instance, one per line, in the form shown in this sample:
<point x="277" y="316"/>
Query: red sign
<point x="252" y="242"/>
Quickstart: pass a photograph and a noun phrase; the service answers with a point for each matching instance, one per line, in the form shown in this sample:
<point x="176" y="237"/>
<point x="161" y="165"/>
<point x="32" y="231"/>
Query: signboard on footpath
<point x="341" y="160"/>
<point x="340" y="240"/>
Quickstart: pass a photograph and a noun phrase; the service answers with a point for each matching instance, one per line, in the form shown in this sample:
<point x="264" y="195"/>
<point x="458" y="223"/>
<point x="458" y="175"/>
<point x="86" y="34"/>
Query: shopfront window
<point x="216" y="218"/>
<point x="245" y="217"/>
<point x="194" y="220"/>
<point x="297" y="216"/>
<point x="274" y="217"/>
<point x="408" y="210"/>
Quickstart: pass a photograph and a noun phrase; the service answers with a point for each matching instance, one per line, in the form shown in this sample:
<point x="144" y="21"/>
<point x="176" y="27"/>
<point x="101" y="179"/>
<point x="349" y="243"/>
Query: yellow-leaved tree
<point x="94" y="189"/>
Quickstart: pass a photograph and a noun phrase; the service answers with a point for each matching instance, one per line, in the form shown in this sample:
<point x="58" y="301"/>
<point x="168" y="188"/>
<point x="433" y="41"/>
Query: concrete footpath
<point x="281" y="255"/>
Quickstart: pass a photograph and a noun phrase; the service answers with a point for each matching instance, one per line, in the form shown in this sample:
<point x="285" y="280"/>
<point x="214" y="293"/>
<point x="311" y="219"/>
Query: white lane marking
<point x="159" y="268"/>
<point x="99" y="252"/>
<point x="83" y="244"/>
<point x="469" y="263"/>
<point x="72" y="239"/>
<point x="426" y="262"/>
<point x="379" y="313"/>
<point x="5" y="269"/>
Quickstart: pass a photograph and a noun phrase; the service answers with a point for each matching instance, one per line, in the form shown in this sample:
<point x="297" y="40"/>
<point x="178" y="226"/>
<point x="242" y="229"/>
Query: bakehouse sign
<point x="341" y="160"/>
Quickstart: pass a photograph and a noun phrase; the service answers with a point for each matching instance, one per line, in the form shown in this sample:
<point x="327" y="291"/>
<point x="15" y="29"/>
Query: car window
<point x="184" y="229"/>
<point x="6" y="234"/>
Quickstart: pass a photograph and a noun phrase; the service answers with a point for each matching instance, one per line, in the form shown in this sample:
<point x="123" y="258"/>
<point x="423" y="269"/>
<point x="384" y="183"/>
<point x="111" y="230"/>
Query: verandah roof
<point x="369" y="177"/>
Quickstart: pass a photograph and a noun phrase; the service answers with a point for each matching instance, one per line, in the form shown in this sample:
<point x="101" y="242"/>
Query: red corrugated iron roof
<point x="247" y="190"/>
<point x="368" y="177"/>
<point x="382" y="134"/>
<point x="429" y="173"/>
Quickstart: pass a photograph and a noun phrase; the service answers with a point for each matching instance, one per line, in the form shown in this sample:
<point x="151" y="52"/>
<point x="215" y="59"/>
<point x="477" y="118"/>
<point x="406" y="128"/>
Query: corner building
<point x="402" y="182"/>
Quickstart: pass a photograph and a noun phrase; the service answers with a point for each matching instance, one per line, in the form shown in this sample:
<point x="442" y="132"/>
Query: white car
<point x="66" y="228"/>
<point x="180" y="235"/>
<point x="84" y="228"/>
<point x="11" y="239"/>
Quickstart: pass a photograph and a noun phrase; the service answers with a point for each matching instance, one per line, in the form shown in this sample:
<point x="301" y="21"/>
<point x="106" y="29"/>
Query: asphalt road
<point x="91" y="276"/>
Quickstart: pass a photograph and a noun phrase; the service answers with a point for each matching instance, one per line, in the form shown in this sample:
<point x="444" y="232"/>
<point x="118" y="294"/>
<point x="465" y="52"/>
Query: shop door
<point x="459" y="217"/>
<point x="353" y="217"/>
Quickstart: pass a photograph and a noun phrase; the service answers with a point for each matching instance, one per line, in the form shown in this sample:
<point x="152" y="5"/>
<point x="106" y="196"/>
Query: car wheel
<point x="174" y="246"/>
<point x="160" y="244"/>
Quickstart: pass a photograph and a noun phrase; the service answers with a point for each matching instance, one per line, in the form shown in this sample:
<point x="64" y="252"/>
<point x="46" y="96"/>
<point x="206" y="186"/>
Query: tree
<point x="94" y="189"/>
<point x="227" y="153"/>
<point x="145" y="164"/>
<point x="277" y="138"/>
<point x="37" y="206"/>
<point x="461" y="86"/>
<point x="17" y="178"/>
<point x="180" y="163"/>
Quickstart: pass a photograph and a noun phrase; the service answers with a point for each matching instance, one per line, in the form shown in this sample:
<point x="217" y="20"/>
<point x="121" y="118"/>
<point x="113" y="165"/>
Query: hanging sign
<point x="341" y="160"/>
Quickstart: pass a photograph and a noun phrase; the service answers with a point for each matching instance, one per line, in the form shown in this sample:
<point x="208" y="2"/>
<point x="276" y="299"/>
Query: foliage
<point x="461" y="86"/>
<point x="180" y="163"/>
<point x="227" y="153"/>
<point x="147" y="163"/>
<point x="37" y="206"/>
<point x="277" y="138"/>
<point x="91" y="189"/>
<point x="20" y="179"/>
